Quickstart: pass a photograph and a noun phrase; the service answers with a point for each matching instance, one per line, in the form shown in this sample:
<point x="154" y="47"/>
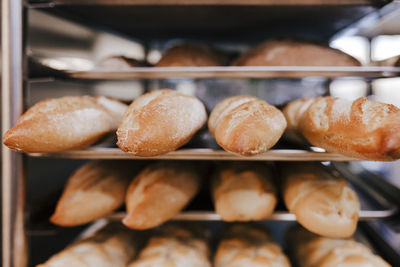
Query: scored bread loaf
<point x="245" y="245"/>
<point x="288" y="52"/>
<point x="246" y="125"/>
<point x="243" y="191"/>
<point x="93" y="191"/>
<point x="159" y="122"/>
<point x="64" y="123"/>
<point x="176" y="245"/>
<point x="362" y="129"/>
<point x="160" y="192"/>
<point x="310" y="250"/>
<point x="322" y="202"/>
<point x="191" y="55"/>
<point x="113" y="246"/>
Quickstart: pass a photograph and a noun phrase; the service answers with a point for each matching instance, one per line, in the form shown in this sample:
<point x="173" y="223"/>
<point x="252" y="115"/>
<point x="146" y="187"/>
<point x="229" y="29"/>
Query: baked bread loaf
<point x="362" y="129"/>
<point x="114" y="246"/>
<point x="243" y="191"/>
<point x="288" y="52"/>
<point x="310" y="250"/>
<point x="95" y="190"/>
<point x="64" y="123"/>
<point x="246" y="125"/>
<point x="176" y="246"/>
<point x="159" y="122"/>
<point x="160" y="192"/>
<point x="322" y="202"/>
<point x="191" y="55"/>
<point x="244" y="245"/>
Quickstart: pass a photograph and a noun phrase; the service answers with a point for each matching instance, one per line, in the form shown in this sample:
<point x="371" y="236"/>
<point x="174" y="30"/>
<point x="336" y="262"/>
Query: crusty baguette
<point x="191" y="55"/>
<point x="65" y="123"/>
<point x="322" y="202"/>
<point x="159" y="122"/>
<point x="113" y="246"/>
<point x="362" y="129"/>
<point x="310" y="250"/>
<point x="176" y="246"/>
<point x="248" y="246"/>
<point x="287" y="52"/>
<point x="246" y="125"/>
<point x="93" y="191"/>
<point x="243" y="191"/>
<point x="160" y="192"/>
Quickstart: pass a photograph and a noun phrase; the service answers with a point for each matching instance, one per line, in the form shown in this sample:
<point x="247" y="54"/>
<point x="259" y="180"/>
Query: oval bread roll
<point x="158" y="193"/>
<point x="249" y="246"/>
<point x="310" y="250"/>
<point x="95" y="190"/>
<point x="176" y="246"/>
<point x="159" y="122"/>
<point x="289" y="52"/>
<point x="243" y="191"/>
<point x="322" y="203"/>
<point x="191" y="55"/>
<point x="64" y="123"/>
<point x="246" y="125"/>
<point x="113" y="246"/>
<point x="362" y="129"/>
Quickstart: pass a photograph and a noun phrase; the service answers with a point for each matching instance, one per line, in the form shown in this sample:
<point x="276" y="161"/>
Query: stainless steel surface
<point x="14" y="252"/>
<point x="207" y="2"/>
<point x="276" y="216"/>
<point x="236" y="72"/>
<point x="199" y="154"/>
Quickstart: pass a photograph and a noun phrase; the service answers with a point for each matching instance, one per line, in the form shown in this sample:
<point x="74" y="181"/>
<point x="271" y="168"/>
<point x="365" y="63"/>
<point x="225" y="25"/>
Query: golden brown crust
<point x="160" y="192"/>
<point x="246" y="125"/>
<point x="310" y="250"/>
<point x="159" y="122"/>
<point x="248" y="246"/>
<point x="289" y="52"/>
<point x="175" y="246"/>
<point x="65" y="123"/>
<point x="243" y="191"/>
<point x="113" y="246"/>
<point x="362" y="129"/>
<point x="191" y="55"/>
<point x="322" y="203"/>
<point x="95" y="190"/>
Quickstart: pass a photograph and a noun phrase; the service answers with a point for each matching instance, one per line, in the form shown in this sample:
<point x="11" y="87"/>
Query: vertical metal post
<point x="14" y="252"/>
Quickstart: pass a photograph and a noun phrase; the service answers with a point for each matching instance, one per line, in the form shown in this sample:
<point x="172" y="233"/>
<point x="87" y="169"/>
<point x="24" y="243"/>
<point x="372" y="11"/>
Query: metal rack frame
<point x="14" y="250"/>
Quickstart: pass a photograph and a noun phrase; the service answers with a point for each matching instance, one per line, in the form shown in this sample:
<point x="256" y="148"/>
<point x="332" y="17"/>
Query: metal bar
<point x="14" y="252"/>
<point x="199" y="154"/>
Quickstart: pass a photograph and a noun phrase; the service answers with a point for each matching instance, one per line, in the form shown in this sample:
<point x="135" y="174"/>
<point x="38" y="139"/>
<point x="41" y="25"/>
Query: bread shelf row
<point x="199" y="154"/>
<point x="234" y="72"/>
<point x="276" y="216"/>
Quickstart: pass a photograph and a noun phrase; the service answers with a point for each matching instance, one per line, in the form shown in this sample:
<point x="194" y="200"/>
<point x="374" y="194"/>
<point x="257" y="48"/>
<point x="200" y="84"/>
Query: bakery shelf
<point x="235" y="72"/>
<point x="199" y="154"/>
<point x="207" y="2"/>
<point x="276" y="216"/>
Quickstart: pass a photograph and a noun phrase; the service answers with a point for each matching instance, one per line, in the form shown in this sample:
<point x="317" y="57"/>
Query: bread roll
<point x="246" y="125"/>
<point x="93" y="191"/>
<point x="288" y="52"/>
<point x="310" y="250"/>
<point x="159" y="122"/>
<point x="243" y="191"/>
<point x="191" y="55"/>
<point x="160" y="192"/>
<point x="362" y="129"/>
<point x="175" y="246"/>
<point x="322" y="202"/>
<point x="249" y="246"/>
<point x="65" y="123"/>
<point x="113" y="246"/>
